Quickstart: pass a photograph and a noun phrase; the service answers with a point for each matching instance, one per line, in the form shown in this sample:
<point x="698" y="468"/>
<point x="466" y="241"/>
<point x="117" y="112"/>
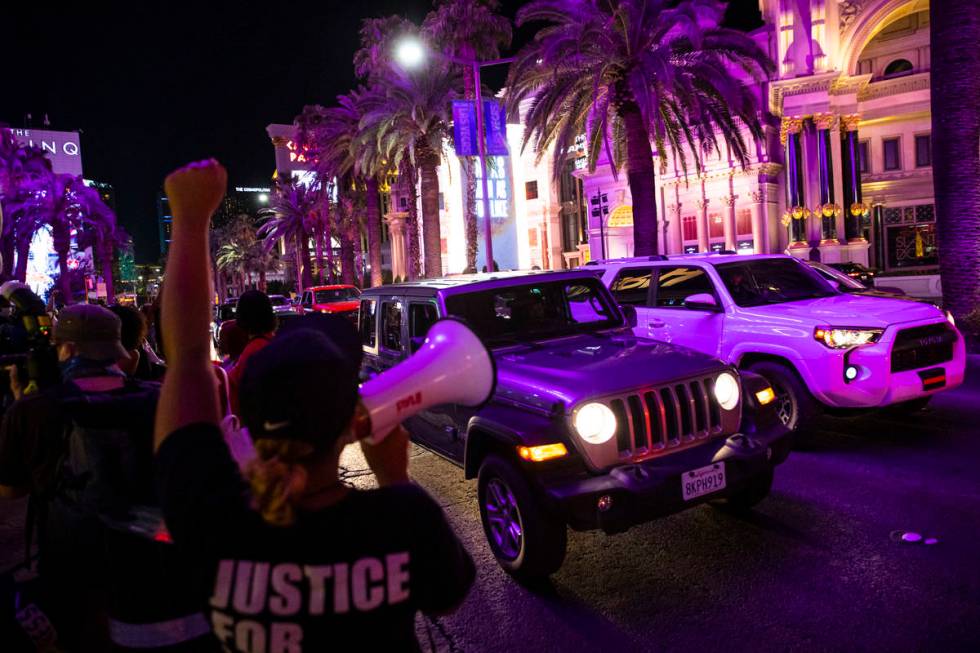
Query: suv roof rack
<point x="652" y="257"/>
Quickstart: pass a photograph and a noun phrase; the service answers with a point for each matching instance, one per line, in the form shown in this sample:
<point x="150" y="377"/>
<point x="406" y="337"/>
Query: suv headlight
<point x="595" y="422"/>
<point x="950" y="318"/>
<point x="726" y="391"/>
<point x="844" y="337"/>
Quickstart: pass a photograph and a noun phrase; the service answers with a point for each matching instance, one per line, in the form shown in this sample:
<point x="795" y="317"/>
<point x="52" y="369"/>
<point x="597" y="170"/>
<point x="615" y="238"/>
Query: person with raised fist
<point x="296" y="559"/>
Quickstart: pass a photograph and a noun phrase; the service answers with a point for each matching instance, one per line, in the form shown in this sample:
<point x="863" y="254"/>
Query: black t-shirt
<point x="352" y="574"/>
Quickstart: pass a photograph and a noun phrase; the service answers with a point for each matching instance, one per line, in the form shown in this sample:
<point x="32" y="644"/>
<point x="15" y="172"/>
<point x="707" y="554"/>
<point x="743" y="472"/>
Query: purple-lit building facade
<point x="844" y="171"/>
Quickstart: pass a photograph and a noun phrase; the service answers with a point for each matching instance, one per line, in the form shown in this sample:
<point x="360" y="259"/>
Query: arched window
<point x="898" y="68"/>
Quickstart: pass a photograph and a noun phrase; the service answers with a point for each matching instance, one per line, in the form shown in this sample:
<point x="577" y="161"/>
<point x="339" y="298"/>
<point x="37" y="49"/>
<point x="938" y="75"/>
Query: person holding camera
<point x="299" y="561"/>
<point x="82" y="450"/>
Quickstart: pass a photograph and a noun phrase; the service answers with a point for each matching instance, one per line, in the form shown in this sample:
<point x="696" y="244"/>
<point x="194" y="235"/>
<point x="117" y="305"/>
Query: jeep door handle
<point x="656" y="324"/>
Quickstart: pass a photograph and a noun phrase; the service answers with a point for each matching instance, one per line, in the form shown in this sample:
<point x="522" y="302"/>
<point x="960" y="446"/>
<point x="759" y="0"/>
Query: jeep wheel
<point x="745" y="499"/>
<point x="794" y="404"/>
<point x="528" y="542"/>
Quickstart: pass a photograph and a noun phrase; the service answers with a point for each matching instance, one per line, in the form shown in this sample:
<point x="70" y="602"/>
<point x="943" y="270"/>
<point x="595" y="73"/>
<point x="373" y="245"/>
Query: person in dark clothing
<point x="82" y="450"/>
<point x="255" y="316"/>
<point x="301" y="562"/>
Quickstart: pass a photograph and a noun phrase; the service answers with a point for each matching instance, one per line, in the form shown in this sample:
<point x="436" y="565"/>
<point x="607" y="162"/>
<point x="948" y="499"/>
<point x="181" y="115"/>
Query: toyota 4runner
<point x="589" y="426"/>
<point x="820" y="348"/>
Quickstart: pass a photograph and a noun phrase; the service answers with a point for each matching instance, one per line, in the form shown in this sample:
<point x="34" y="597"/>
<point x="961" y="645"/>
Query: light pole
<point x="411" y="53"/>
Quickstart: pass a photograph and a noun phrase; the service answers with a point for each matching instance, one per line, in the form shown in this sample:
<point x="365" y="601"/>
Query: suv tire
<point x="536" y="548"/>
<point x="794" y="403"/>
<point x="749" y="496"/>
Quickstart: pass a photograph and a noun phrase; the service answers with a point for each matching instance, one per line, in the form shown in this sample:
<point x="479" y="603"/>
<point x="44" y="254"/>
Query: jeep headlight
<point x="595" y="422"/>
<point x="845" y="337"/>
<point x="726" y="391"/>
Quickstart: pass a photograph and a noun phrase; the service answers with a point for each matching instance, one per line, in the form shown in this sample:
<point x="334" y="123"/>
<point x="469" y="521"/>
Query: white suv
<point x="772" y="314"/>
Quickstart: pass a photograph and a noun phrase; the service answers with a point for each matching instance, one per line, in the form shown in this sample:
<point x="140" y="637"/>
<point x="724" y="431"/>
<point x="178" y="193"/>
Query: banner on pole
<point x="464" y="128"/>
<point x="496" y="124"/>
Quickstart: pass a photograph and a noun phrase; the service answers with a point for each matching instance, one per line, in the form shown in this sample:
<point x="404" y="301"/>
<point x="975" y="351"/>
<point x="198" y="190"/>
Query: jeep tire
<point x="794" y="403"/>
<point x="746" y="498"/>
<point x="527" y="541"/>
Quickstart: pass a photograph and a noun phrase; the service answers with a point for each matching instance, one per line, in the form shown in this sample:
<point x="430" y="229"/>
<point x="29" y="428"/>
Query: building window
<point x="898" y="68"/>
<point x="716" y="228"/>
<point x="865" y="67"/>
<point x="891" y="154"/>
<point x="689" y="227"/>
<point x="864" y="160"/>
<point x="531" y="190"/>
<point x="743" y="222"/>
<point x="923" y="151"/>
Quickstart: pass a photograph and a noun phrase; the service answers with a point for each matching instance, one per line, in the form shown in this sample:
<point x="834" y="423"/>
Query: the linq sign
<point x="61" y="147"/>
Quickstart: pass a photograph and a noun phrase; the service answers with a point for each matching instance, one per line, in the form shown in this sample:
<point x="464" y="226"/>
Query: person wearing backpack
<point x="82" y="450"/>
<point x="299" y="561"/>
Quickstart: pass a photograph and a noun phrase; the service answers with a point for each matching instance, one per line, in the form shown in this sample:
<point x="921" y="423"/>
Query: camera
<point x="25" y="340"/>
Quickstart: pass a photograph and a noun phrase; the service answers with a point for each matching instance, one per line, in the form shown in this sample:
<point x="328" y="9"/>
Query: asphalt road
<point x="815" y="568"/>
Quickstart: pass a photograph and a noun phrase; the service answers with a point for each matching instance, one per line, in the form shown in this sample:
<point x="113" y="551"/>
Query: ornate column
<point x="729" y="222"/>
<point x="396" y="229"/>
<point x="828" y="210"/>
<point x="796" y="213"/>
<point x="703" y="243"/>
<point x="854" y="208"/>
<point x="758" y="223"/>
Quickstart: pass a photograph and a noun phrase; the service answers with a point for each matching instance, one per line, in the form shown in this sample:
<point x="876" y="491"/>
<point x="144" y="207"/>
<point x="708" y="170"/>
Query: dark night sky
<point x="153" y="89"/>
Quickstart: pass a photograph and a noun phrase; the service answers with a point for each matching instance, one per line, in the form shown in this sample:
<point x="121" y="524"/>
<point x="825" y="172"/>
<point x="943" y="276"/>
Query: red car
<point x="342" y="300"/>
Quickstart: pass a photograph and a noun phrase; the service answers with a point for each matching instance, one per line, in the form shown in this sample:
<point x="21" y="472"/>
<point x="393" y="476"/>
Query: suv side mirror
<point x="701" y="302"/>
<point x="629" y="312"/>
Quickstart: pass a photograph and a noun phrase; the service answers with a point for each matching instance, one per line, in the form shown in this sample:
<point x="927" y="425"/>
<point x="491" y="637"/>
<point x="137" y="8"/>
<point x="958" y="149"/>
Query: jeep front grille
<point x="665" y="418"/>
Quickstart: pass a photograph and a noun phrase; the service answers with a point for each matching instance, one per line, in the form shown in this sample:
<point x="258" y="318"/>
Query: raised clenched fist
<point x="195" y="191"/>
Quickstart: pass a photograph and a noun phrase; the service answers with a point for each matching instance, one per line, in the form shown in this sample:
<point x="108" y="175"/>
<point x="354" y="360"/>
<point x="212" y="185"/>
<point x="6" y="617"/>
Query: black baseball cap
<point x="304" y="384"/>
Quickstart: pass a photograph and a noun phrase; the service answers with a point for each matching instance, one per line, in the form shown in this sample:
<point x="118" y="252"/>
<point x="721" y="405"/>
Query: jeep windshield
<point x="772" y="281"/>
<point x="535" y="311"/>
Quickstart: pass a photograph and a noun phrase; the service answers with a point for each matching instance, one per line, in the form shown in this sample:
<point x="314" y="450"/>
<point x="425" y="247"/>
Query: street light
<point x="410" y="52"/>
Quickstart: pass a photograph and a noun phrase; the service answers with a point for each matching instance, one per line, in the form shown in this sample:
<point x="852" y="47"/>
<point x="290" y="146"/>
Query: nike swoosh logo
<point x="274" y="426"/>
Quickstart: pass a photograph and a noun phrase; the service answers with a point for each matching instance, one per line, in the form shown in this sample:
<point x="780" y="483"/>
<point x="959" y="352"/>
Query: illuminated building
<point x="852" y="85"/>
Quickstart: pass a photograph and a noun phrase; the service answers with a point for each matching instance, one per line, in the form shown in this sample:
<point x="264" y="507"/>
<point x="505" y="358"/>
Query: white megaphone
<point x="452" y="366"/>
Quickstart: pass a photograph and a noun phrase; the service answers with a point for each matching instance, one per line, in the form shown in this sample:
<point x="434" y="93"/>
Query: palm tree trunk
<point x="298" y="261"/>
<point x="373" y="220"/>
<point x="307" y="264"/>
<point x="61" y="235"/>
<point x="318" y="243"/>
<point x="262" y="284"/>
<point x="640" y="175"/>
<point x="470" y="226"/>
<point x="23" y="251"/>
<point x="954" y="34"/>
<point x="412" y="228"/>
<point x="346" y="257"/>
<point x="7" y="249"/>
<point x="355" y="236"/>
<point x="327" y="235"/>
<point x="431" y="236"/>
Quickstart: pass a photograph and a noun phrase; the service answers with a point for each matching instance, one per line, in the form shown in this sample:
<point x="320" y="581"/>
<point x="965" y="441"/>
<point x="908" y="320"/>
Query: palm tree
<point x="954" y="33"/>
<point x="23" y="172"/>
<point x="468" y="30"/>
<point x="232" y="259"/>
<point x="288" y="218"/>
<point x="411" y="114"/>
<point x="624" y="72"/>
<point x="348" y="153"/>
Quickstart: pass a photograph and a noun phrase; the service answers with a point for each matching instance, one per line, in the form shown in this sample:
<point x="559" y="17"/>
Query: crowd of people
<point x="144" y="532"/>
